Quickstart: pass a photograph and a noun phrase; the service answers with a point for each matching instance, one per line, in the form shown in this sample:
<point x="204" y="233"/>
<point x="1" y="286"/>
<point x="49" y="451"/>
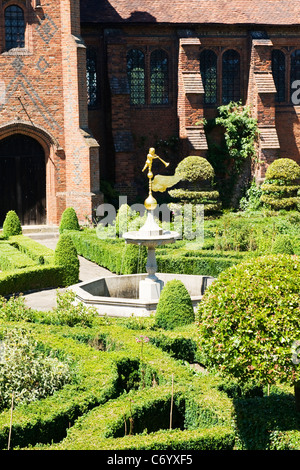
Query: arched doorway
<point x="23" y="179"/>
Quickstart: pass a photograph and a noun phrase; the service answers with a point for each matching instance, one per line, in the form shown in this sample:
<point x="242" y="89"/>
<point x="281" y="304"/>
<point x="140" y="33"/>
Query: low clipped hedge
<point x="97" y="398"/>
<point x="112" y="254"/>
<point x="27" y="265"/>
<point x="37" y="252"/>
<point x="117" y="257"/>
<point x="202" y="263"/>
<point x="11" y="258"/>
<point x="32" y="278"/>
<point x="140" y="421"/>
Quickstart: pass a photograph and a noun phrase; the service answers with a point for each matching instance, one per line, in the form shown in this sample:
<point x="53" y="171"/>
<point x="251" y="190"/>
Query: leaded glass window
<point x="208" y="69"/>
<point x="278" y="69"/>
<point x="295" y="68"/>
<point x="136" y="76"/>
<point x="230" y="76"/>
<point x="14" y="27"/>
<point x="91" y="76"/>
<point x="159" y="77"/>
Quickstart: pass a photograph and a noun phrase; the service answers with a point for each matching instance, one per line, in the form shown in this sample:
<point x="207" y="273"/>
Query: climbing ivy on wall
<point x="238" y="143"/>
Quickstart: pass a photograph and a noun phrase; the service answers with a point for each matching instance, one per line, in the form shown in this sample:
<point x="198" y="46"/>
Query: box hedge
<point x="98" y="386"/>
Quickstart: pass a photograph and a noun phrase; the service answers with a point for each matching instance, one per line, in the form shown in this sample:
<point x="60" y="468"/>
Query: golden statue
<point x="150" y="202"/>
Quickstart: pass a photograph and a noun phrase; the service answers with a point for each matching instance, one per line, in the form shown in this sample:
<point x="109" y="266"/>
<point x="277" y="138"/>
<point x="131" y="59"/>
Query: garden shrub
<point x="283" y="245"/>
<point x="66" y="256"/>
<point x="249" y="321"/>
<point x="15" y="309"/>
<point x="68" y="313"/>
<point x="281" y="185"/>
<point x="174" y="307"/>
<point x="196" y="184"/>
<point x="11" y="224"/>
<point x="69" y="220"/>
<point x="27" y="372"/>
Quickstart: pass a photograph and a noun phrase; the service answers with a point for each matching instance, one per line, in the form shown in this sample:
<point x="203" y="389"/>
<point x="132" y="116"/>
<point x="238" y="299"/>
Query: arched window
<point x="159" y="77"/>
<point x="14" y="27"/>
<point x="91" y="76"/>
<point x="208" y="70"/>
<point x="295" y="69"/>
<point x="278" y="69"/>
<point x="231" y="76"/>
<point x="136" y="76"/>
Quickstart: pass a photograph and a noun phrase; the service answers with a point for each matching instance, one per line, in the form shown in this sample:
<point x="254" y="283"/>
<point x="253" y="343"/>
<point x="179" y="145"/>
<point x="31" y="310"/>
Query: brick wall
<point x="45" y="97"/>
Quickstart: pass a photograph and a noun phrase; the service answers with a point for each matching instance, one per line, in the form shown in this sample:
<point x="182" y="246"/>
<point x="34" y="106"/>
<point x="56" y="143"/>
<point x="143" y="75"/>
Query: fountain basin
<point x="118" y="296"/>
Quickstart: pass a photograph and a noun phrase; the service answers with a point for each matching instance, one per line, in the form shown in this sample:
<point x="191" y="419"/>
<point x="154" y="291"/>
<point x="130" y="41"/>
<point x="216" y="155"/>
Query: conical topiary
<point x="174" y="307"/>
<point x="12" y="224"/>
<point x="66" y="257"/>
<point x="69" y="220"/>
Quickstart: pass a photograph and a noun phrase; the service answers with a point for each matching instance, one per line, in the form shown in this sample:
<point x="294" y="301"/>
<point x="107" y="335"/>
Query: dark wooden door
<point x="23" y="179"/>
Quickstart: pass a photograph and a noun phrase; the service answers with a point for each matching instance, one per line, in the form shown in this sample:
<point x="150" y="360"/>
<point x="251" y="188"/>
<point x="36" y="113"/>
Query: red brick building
<point x="154" y="70"/>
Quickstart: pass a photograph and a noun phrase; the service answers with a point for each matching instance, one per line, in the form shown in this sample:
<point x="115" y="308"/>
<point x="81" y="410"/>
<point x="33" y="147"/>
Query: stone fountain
<point x="138" y="294"/>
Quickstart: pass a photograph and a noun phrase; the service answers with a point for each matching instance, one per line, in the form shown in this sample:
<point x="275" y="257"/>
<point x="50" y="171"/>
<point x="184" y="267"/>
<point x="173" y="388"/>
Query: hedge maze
<point x="122" y="397"/>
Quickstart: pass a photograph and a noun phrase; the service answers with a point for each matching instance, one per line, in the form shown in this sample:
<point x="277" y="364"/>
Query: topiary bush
<point x="66" y="256"/>
<point x="69" y="220"/>
<point x="174" y="307"/>
<point x="196" y="184"/>
<point x="281" y="186"/>
<point x="249" y="321"/>
<point x="12" y="224"/>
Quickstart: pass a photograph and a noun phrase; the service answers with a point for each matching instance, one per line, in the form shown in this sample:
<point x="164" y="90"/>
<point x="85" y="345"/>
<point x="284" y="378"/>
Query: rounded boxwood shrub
<point x="281" y="185"/>
<point x="69" y="220"/>
<point x="174" y="307"/>
<point x="12" y="224"/>
<point x="66" y="256"/>
<point x="196" y="184"/>
<point x="249" y="321"/>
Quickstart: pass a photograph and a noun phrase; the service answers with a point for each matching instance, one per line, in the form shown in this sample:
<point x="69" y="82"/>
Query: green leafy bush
<point x="69" y="220"/>
<point x="281" y="186"/>
<point x="249" y="321"/>
<point x="11" y="224"/>
<point x="175" y="306"/>
<point x="69" y="313"/>
<point x="66" y="256"/>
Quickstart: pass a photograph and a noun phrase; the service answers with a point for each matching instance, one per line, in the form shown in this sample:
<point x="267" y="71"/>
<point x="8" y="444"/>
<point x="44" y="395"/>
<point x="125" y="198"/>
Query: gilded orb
<point x="150" y="203"/>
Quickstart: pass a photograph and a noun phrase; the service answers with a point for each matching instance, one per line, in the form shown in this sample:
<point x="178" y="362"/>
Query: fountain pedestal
<point x="151" y="236"/>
